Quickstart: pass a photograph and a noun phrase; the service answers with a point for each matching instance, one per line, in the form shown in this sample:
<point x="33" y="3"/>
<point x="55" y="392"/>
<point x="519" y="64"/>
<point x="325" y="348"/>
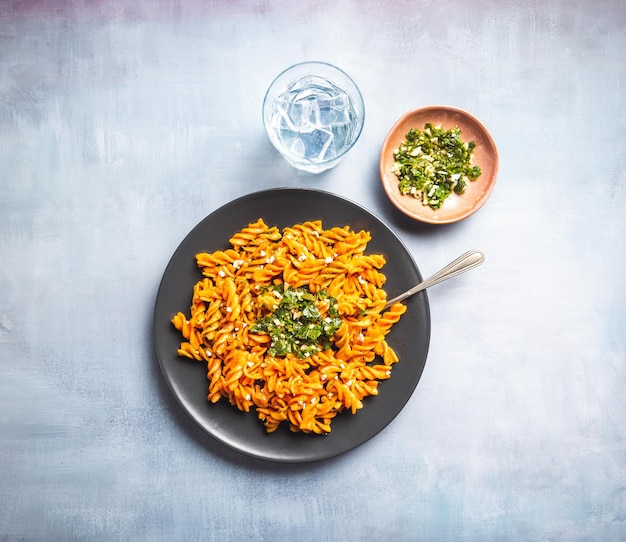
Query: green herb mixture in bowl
<point x="438" y="164"/>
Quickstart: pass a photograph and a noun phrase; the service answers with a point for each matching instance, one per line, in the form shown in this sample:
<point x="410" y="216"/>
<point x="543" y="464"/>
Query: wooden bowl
<point x="456" y="207"/>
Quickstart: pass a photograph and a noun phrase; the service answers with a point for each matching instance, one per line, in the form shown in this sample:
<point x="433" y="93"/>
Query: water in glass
<point x="313" y="121"/>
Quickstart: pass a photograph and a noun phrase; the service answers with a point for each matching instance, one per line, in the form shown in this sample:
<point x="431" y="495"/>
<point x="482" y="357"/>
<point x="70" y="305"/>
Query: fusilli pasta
<point x="238" y="288"/>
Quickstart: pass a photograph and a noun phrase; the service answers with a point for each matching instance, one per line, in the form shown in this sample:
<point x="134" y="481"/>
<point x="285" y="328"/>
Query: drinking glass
<point x="313" y="114"/>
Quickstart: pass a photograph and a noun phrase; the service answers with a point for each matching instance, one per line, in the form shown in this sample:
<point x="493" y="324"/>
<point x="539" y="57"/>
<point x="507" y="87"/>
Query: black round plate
<point x="187" y="379"/>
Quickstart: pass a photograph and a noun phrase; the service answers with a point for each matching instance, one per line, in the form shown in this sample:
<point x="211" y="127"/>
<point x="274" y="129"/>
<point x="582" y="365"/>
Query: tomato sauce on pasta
<point x="306" y="392"/>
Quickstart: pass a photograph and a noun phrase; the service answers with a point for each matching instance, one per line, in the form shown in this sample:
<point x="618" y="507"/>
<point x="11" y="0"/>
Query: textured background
<point x="123" y="124"/>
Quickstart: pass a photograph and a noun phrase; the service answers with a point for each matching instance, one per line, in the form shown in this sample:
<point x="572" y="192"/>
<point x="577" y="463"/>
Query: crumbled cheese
<point x="237" y="264"/>
<point x="221" y="273"/>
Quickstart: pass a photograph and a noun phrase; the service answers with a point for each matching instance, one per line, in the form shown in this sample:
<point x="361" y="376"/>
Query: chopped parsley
<point x="434" y="162"/>
<point x="303" y="323"/>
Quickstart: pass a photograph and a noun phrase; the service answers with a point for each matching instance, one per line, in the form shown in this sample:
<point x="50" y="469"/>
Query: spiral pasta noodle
<point x="238" y="289"/>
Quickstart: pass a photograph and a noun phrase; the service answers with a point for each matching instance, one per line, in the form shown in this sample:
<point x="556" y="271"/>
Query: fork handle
<point x="465" y="262"/>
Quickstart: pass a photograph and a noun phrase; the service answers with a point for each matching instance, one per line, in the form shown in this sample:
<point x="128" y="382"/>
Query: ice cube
<point x="297" y="148"/>
<point x="280" y="116"/>
<point x="335" y="109"/>
<point x="324" y="111"/>
<point x="297" y="113"/>
<point x="315" y="143"/>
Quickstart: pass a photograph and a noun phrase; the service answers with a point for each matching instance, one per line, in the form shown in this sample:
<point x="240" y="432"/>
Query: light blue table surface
<point x="123" y="124"/>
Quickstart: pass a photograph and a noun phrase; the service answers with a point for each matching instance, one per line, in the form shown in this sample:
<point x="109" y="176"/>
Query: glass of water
<point x="313" y="114"/>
